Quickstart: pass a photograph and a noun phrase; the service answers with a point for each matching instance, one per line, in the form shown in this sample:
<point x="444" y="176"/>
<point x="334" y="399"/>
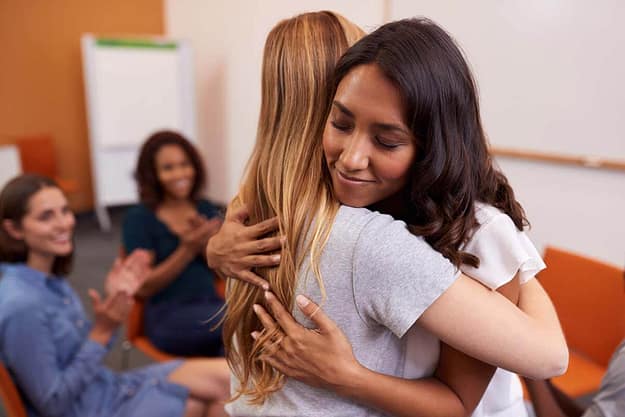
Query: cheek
<point x="397" y="168"/>
<point x="190" y="171"/>
<point x="71" y="221"/>
<point x="33" y="233"/>
<point x="163" y="176"/>
<point x="330" y="145"/>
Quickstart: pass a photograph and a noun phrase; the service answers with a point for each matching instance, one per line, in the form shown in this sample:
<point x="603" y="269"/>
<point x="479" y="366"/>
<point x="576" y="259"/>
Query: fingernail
<point x="265" y="286"/>
<point x="254" y="335"/>
<point x="302" y="301"/>
<point x="283" y="239"/>
<point x="268" y="295"/>
<point x="256" y="308"/>
<point x="275" y="258"/>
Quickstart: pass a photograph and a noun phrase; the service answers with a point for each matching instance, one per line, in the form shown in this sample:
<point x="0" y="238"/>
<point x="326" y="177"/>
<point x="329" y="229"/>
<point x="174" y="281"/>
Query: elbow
<point x="556" y="365"/>
<point x="561" y="362"/>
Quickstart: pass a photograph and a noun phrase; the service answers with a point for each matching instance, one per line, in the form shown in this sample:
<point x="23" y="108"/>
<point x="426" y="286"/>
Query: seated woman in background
<point x="46" y="341"/>
<point x="174" y="223"/>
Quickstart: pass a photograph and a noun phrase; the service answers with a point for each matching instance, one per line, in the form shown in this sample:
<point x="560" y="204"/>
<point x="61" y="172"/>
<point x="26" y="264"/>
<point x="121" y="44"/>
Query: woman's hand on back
<point x="320" y="357"/>
<point x="237" y="248"/>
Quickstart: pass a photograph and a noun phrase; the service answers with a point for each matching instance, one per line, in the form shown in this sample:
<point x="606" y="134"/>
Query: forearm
<point x="501" y="334"/>
<point x="534" y="301"/>
<point x="402" y="397"/>
<point x="543" y="400"/>
<point x="166" y="272"/>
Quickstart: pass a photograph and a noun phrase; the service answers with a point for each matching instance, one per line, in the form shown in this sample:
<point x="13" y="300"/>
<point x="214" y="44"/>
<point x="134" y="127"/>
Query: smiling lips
<point x="350" y="179"/>
<point x="64" y="238"/>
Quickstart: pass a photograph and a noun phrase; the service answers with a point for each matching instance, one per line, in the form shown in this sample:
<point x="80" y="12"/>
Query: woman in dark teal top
<point x="174" y="224"/>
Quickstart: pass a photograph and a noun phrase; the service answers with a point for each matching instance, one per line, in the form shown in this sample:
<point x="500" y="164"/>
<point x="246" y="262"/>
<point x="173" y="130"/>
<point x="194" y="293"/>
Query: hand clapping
<point x="128" y="275"/>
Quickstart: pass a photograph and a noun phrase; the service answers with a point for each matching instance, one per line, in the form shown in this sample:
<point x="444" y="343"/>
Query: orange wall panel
<point x="41" y="81"/>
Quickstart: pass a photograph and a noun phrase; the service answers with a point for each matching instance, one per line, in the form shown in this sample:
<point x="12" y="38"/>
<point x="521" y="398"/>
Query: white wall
<point x="550" y="76"/>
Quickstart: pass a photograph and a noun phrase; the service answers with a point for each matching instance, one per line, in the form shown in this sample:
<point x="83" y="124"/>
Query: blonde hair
<point x="285" y="177"/>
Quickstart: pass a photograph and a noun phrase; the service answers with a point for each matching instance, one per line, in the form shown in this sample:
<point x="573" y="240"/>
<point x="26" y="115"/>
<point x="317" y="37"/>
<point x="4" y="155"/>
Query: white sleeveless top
<point x="503" y="251"/>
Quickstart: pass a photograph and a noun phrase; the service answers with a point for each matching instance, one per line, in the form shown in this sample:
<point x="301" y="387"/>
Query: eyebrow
<point x="343" y="109"/>
<point x="382" y="126"/>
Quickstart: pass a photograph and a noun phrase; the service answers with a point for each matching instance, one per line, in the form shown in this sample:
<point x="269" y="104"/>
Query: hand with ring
<point x="320" y="357"/>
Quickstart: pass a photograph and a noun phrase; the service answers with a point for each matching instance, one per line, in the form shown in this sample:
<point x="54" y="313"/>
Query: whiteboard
<point x="550" y="72"/>
<point x="134" y="87"/>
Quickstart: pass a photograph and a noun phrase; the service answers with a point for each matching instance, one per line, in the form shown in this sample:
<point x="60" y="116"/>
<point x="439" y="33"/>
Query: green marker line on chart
<point x="135" y="43"/>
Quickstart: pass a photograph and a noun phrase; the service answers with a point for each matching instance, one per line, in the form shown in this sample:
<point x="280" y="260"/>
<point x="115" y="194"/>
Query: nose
<point x="182" y="172"/>
<point x="355" y="154"/>
<point x="65" y="221"/>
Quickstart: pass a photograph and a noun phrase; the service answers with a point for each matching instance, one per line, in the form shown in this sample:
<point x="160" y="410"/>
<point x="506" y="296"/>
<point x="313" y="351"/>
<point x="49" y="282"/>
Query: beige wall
<point x="41" y="87"/>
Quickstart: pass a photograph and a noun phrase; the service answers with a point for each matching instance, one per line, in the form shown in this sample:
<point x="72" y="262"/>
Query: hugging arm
<point x="323" y="357"/>
<point x="237" y="248"/>
<point x="549" y="402"/>
<point x="527" y="340"/>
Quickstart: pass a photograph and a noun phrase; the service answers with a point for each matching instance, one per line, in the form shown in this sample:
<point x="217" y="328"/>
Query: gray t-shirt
<point x="610" y="400"/>
<point x="379" y="279"/>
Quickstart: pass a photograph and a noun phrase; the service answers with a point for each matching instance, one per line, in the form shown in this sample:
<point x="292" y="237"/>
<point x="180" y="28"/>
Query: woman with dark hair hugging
<point x="174" y="223"/>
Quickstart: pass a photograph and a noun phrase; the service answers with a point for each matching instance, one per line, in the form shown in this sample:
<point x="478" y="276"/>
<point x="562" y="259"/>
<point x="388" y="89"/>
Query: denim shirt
<point x="45" y="345"/>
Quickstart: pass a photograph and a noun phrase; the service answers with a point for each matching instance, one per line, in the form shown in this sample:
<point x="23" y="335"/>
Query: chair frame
<point x="10" y="396"/>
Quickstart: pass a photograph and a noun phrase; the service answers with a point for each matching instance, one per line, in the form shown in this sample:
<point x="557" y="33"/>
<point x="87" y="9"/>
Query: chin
<point x="353" y="201"/>
<point x="63" y="250"/>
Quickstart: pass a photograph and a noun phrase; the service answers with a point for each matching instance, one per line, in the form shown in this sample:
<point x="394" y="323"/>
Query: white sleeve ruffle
<point x="503" y="251"/>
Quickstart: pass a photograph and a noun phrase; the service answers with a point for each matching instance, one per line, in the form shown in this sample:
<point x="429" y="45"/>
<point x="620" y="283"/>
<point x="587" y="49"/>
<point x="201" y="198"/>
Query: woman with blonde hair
<point x="380" y="279"/>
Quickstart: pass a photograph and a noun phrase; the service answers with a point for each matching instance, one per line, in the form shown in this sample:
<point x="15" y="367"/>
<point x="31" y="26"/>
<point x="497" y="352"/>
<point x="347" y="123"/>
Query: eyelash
<point x="380" y="142"/>
<point x="338" y="126"/>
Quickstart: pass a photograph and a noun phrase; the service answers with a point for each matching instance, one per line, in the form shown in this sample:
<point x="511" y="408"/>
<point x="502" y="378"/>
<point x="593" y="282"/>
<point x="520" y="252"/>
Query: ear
<point x="12" y="230"/>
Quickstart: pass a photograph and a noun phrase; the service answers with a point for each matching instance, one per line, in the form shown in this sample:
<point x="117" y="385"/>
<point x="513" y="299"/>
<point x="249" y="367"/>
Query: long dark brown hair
<point x="151" y="192"/>
<point x="14" y="200"/>
<point x="453" y="168"/>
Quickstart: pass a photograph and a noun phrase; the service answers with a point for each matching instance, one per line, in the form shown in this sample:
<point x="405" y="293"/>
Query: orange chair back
<point x="10" y="396"/>
<point x="134" y="323"/>
<point x="589" y="297"/>
<point x="37" y="155"/>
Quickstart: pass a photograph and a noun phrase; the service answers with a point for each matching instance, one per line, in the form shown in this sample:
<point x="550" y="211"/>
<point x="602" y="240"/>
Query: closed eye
<point x="343" y="127"/>
<point x="386" y="144"/>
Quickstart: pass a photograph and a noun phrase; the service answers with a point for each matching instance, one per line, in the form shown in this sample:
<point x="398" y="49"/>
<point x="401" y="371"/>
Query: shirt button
<point x="80" y="323"/>
<point x="154" y="381"/>
<point x="66" y="301"/>
<point x="130" y="392"/>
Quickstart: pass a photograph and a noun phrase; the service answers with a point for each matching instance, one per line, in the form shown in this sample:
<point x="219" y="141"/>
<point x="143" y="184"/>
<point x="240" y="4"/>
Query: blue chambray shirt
<point x="44" y="343"/>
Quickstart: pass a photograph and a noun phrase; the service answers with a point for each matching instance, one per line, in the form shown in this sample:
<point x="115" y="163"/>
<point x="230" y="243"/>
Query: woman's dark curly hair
<point x="14" y="200"/>
<point x="151" y="191"/>
<point x="453" y="168"/>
